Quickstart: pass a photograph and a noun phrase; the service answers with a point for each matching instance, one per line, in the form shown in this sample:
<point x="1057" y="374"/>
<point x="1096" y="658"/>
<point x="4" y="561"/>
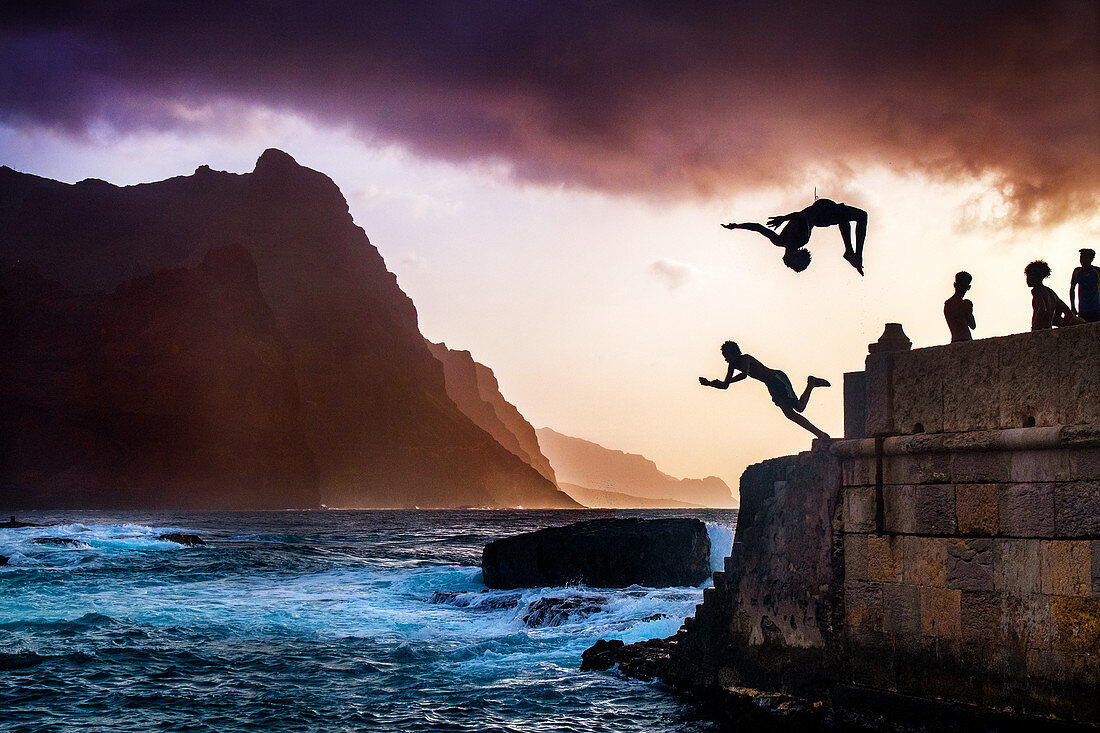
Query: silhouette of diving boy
<point x="797" y="226"/>
<point x="779" y="386"/>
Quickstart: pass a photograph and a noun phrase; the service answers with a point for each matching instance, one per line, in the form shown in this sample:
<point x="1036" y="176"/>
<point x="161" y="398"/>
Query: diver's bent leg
<point x="859" y="216"/>
<point x="811" y="383"/>
<point x="800" y="420"/>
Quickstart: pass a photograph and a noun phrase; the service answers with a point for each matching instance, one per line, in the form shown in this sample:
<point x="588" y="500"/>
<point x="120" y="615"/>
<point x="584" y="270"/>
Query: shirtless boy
<point x="795" y="233"/>
<point x="959" y="311"/>
<point x="779" y="386"/>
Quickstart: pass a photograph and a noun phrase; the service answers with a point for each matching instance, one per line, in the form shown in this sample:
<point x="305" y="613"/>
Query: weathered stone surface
<point x="884" y="558"/>
<point x="925" y="561"/>
<point x="859" y="509"/>
<point x="970" y="564"/>
<point x="855" y="556"/>
<point x="977" y="509"/>
<point x="941" y="612"/>
<point x="980" y="466"/>
<point x="980" y="616"/>
<point x="918" y="392"/>
<point x="1077" y="509"/>
<point x="1086" y="464"/>
<point x="1026" y="621"/>
<point x="1036" y="466"/>
<point x="61" y="542"/>
<point x="1027" y="510"/>
<point x="1076" y="624"/>
<point x="901" y="609"/>
<point x="900" y="508"/>
<point x="606" y="553"/>
<point x="1017" y="566"/>
<point x="922" y="468"/>
<point x="1066" y="567"/>
<point x="1095" y="546"/>
<point x="863" y="605"/>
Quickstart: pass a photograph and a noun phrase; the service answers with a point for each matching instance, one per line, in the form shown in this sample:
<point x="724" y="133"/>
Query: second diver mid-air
<point x="797" y="226"/>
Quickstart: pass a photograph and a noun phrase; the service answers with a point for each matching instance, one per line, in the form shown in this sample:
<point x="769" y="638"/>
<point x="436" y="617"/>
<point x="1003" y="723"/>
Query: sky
<point x="547" y="179"/>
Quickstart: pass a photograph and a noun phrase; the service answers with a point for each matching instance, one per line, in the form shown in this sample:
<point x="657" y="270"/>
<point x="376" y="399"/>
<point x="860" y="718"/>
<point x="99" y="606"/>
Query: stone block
<point x="1027" y="510"/>
<point x="1095" y="545"/>
<point x="901" y="609"/>
<point x="921" y="468"/>
<point x="974" y="467"/>
<point x="970" y="564"/>
<point x="884" y="558"/>
<point x="855" y="404"/>
<point x="1076" y="624"/>
<point x="863" y="605"/>
<point x="977" y="509"/>
<point x="1049" y="665"/>
<point x="918" y="393"/>
<point x="880" y="412"/>
<point x="859" y="471"/>
<point x="919" y="509"/>
<point x="1017" y="566"/>
<point x="936" y="509"/>
<point x="980" y="617"/>
<point x="941" y="612"/>
<point x="1086" y="464"/>
<point x="1026" y="621"/>
<point x="870" y="658"/>
<point x="925" y="561"/>
<point x="855" y="557"/>
<point x="1038" y="466"/>
<point x="899" y="503"/>
<point x="971" y="388"/>
<point x="1066" y="567"/>
<point x="1077" y="509"/>
<point x="859" y="509"/>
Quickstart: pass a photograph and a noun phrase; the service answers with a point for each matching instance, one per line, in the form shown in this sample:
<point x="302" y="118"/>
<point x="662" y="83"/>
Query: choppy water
<point x="314" y="621"/>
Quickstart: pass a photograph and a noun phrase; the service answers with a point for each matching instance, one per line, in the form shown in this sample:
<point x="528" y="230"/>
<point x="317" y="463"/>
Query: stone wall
<point x="947" y="551"/>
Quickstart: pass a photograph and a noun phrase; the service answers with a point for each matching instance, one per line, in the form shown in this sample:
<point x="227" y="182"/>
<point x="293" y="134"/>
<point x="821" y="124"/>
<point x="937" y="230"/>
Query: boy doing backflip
<point x="779" y="386"/>
<point x="797" y="226"/>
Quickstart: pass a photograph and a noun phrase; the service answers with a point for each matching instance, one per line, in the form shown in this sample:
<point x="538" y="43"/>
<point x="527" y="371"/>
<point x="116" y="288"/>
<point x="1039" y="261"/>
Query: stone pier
<point x="945" y="553"/>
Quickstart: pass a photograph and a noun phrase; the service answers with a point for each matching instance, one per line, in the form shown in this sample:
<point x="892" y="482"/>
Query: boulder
<point x="603" y="553"/>
<point x="60" y="542"/>
<point x="643" y="660"/>
<point x="181" y="538"/>
<point x="13" y="523"/>
<point x="557" y="611"/>
<point x="4" y="559"/>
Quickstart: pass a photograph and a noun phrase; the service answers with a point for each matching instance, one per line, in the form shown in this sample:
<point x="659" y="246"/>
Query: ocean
<point x="317" y="621"/>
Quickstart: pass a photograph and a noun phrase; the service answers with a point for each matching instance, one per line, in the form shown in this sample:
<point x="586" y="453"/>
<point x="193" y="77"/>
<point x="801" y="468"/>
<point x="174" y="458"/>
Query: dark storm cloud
<point x="658" y="99"/>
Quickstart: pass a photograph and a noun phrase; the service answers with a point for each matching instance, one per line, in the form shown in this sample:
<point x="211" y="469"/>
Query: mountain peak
<point x="274" y="159"/>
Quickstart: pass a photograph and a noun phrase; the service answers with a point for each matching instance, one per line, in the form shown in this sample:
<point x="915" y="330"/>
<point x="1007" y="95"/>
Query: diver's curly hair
<point x="1039" y="269"/>
<point x="730" y="350"/>
<point x="797" y="259"/>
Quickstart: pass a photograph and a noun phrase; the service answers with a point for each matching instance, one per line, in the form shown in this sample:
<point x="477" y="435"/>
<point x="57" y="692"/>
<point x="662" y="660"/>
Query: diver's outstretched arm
<point x="759" y="229"/>
<point x="723" y="383"/>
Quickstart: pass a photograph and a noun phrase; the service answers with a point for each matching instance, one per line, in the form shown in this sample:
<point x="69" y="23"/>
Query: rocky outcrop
<point x="551" y="611"/>
<point x="475" y="390"/>
<point x="182" y="538"/>
<point x="604" y="553"/>
<point x="373" y="409"/>
<point x="61" y="542"/>
<point x="593" y="467"/>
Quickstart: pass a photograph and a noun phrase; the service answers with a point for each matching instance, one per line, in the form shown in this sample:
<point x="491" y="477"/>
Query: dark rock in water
<point x="60" y="542"/>
<point x="475" y="600"/>
<point x="4" y="559"/>
<point x="13" y="523"/>
<point x="443" y="597"/>
<point x="556" y="611"/>
<point x="604" y="553"/>
<point x="645" y="660"/>
<point x="180" y="538"/>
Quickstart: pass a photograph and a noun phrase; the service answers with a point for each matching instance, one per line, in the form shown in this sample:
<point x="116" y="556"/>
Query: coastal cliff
<point x="937" y="567"/>
<point x="372" y="407"/>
